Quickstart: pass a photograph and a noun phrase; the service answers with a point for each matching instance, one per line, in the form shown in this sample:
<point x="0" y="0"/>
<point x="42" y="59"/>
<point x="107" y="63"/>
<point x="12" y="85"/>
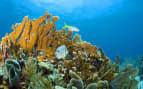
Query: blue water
<point x="114" y="25"/>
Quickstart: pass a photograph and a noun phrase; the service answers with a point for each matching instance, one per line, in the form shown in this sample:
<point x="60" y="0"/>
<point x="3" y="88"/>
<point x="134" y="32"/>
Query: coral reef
<point x="140" y="74"/>
<point x="37" y="81"/>
<point x="128" y="60"/>
<point x="13" y="70"/>
<point x="126" y="79"/>
<point x="51" y="59"/>
<point x="140" y="66"/>
<point x="140" y="85"/>
<point x="75" y="81"/>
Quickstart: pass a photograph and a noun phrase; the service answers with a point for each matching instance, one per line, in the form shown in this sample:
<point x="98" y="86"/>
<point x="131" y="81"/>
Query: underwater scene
<point x="71" y="44"/>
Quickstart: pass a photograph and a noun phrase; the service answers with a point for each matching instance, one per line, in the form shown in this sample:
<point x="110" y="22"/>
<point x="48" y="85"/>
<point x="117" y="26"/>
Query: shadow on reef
<point x="37" y="56"/>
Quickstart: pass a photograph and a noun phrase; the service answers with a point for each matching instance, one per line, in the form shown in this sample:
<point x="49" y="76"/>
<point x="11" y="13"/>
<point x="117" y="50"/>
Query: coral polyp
<point x="50" y="59"/>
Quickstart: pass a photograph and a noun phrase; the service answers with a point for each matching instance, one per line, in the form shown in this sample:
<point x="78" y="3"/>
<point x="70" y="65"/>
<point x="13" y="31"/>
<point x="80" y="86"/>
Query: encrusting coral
<point x="33" y="44"/>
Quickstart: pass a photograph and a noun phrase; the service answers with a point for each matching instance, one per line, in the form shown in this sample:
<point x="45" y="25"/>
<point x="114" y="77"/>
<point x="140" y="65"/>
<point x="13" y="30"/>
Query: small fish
<point x="61" y="52"/>
<point x="71" y="28"/>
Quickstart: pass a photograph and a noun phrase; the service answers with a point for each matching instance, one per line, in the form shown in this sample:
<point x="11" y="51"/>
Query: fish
<point x="71" y="28"/>
<point x="61" y="52"/>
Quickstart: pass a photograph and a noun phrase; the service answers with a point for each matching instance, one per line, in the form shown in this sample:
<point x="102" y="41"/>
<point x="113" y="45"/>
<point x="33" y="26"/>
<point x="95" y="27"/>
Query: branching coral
<point x="77" y="39"/>
<point x="125" y="79"/>
<point x="37" y="81"/>
<point x="40" y="33"/>
<point x="30" y="68"/>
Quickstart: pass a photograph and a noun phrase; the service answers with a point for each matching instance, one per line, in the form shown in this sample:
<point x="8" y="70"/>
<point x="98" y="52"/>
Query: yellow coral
<point x="40" y="33"/>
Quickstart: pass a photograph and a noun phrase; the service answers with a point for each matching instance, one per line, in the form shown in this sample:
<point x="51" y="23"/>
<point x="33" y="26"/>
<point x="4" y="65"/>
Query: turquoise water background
<point x="114" y="25"/>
